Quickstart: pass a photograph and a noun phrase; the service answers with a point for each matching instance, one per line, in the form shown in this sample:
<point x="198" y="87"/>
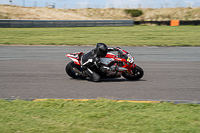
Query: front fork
<point x="130" y="69"/>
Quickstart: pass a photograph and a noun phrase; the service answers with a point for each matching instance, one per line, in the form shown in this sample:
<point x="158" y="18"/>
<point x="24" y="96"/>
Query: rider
<point x="93" y="58"/>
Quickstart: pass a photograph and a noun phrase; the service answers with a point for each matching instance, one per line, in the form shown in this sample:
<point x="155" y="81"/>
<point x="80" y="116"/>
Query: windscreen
<point x="125" y="55"/>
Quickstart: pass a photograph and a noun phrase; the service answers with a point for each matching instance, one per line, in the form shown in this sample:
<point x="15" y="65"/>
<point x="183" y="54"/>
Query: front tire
<point x="137" y="74"/>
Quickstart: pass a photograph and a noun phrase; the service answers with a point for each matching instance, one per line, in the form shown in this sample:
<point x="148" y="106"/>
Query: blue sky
<point x="106" y="3"/>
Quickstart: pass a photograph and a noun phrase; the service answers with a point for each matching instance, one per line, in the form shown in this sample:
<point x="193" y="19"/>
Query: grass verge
<point x="100" y="116"/>
<point x="124" y="36"/>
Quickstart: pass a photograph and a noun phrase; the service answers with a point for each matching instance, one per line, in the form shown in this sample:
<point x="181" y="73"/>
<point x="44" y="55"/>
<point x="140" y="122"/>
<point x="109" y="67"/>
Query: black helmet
<point x="102" y="49"/>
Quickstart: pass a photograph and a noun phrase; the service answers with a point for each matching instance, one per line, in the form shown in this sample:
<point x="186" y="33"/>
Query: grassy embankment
<point x="130" y="36"/>
<point x="102" y="116"/>
<point x="38" y="13"/>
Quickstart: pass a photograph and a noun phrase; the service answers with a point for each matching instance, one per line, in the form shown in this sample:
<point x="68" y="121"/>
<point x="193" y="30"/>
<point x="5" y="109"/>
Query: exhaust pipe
<point x="121" y="69"/>
<point x="79" y="72"/>
<point x="117" y="68"/>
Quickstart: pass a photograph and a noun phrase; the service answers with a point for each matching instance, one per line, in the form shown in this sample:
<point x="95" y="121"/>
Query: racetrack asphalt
<point x="36" y="72"/>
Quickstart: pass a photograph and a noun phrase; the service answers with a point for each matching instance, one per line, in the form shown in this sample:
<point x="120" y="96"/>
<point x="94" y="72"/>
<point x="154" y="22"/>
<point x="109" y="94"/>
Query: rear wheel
<point x="71" y="73"/>
<point x="137" y="73"/>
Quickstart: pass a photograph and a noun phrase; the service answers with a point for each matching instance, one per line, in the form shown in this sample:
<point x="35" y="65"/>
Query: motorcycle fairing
<point x="110" y="55"/>
<point x="106" y="61"/>
<point x="76" y="57"/>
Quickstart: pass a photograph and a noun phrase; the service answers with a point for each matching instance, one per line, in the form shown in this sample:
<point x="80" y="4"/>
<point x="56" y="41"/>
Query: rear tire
<point x="137" y="74"/>
<point x="71" y="73"/>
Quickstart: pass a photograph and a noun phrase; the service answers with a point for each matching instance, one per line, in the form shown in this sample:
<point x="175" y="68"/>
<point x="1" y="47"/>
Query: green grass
<point x="102" y="116"/>
<point x="129" y="36"/>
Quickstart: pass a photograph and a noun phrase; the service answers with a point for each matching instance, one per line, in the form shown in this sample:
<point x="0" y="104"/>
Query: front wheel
<point x="137" y="73"/>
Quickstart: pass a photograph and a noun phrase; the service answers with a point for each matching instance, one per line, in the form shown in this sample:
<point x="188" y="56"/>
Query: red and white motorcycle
<point x="120" y="63"/>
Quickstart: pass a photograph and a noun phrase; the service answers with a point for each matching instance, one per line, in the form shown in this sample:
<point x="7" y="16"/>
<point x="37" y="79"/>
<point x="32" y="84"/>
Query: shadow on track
<point x="119" y="80"/>
<point x="109" y="80"/>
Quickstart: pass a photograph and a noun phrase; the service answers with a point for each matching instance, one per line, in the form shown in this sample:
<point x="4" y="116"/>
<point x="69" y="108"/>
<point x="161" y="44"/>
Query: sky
<point x="71" y="4"/>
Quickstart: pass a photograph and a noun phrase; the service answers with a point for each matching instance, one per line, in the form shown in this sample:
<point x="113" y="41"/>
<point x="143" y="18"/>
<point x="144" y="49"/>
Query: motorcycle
<point x="114" y="65"/>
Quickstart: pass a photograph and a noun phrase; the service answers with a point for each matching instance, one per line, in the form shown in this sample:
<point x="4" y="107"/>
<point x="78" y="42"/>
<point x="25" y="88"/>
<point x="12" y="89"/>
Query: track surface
<point x="31" y="72"/>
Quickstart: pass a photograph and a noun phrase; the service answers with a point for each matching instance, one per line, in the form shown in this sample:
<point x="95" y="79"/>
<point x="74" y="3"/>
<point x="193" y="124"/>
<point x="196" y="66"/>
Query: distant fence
<point x="194" y="22"/>
<point x="7" y="23"/>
